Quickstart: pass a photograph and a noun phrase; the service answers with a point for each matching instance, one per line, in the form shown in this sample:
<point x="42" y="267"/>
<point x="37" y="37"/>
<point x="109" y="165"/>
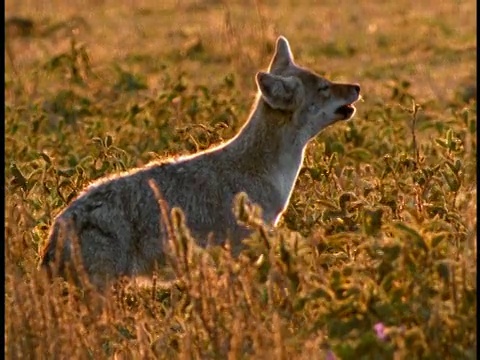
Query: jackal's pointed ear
<point x="280" y="92"/>
<point x="283" y="55"/>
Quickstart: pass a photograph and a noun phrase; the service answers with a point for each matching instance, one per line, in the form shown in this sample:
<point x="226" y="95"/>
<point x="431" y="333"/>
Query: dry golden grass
<point x="376" y="255"/>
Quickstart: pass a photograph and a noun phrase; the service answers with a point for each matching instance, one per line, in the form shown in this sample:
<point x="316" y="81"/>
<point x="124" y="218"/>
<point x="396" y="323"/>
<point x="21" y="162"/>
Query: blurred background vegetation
<point x="376" y="255"/>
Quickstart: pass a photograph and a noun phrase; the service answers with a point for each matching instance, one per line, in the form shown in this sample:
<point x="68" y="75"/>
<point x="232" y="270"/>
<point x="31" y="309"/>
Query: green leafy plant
<point x="375" y="257"/>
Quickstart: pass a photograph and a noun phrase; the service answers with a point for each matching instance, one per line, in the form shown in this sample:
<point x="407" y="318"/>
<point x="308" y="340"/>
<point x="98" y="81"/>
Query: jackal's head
<point x="314" y="101"/>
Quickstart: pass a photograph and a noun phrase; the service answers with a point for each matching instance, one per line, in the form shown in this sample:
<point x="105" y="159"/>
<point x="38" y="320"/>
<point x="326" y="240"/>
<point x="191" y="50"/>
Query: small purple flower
<point x="380" y="331"/>
<point x="330" y="355"/>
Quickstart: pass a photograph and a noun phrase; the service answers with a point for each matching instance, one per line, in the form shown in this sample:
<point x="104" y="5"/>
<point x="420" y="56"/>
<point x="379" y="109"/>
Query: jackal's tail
<point x="56" y="252"/>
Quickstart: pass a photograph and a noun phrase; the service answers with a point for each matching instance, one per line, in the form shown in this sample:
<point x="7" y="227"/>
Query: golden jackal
<point x="116" y="224"/>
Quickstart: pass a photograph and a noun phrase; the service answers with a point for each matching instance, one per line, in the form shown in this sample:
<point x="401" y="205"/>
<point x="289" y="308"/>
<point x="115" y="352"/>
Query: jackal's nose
<point x="357" y="88"/>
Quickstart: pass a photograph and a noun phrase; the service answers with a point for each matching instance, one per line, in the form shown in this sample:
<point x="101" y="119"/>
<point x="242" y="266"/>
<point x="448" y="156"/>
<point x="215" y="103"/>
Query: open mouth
<point x="346" y="111"/>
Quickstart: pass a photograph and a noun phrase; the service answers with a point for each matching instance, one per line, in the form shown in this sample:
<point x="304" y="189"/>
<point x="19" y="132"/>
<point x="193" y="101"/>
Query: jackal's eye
<point x="324" y="87"/>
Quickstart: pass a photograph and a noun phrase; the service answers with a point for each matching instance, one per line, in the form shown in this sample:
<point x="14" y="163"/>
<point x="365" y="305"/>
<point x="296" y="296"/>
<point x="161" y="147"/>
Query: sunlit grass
<point x="376" y="254"/>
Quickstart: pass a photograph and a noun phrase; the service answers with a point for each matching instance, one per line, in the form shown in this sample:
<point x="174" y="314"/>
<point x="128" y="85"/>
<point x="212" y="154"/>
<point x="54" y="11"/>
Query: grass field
<point x="375" y="257"/>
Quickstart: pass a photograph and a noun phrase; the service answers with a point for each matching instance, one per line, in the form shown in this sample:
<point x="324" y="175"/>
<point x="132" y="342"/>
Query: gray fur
<point x="116" y="221"/>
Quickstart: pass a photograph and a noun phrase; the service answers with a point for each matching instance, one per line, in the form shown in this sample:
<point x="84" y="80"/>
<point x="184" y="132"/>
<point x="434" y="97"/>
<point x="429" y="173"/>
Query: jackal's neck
<point x="265" y="141"/>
